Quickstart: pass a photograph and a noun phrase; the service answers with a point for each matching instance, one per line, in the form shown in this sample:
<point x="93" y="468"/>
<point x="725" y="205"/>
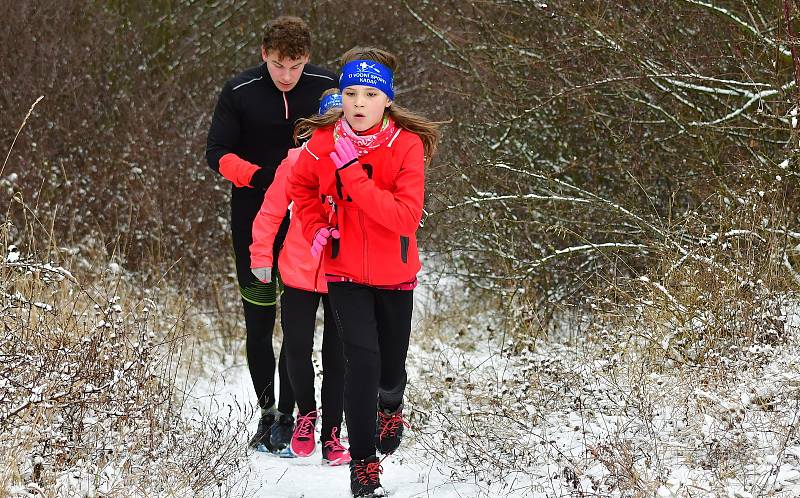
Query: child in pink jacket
<point x="304" y="286"/>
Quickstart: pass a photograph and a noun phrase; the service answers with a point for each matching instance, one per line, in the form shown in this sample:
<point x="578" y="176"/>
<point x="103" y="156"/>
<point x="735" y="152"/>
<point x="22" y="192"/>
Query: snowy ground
<point x="565" y="418"/>
<point x="408" y="473"/>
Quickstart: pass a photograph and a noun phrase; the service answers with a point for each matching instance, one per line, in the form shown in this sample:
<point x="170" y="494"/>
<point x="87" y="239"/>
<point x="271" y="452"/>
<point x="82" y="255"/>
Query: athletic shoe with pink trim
<point x="303" y="437"/>
<point x="333" y="452"/>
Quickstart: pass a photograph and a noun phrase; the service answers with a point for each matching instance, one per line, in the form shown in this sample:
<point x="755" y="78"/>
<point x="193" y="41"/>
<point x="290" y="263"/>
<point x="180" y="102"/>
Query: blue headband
<point x="367" y="73"/>
<point x="328" y="101"/>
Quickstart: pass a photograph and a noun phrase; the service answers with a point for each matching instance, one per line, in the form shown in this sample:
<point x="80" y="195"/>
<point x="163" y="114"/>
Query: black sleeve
<point x="225" y="128"/>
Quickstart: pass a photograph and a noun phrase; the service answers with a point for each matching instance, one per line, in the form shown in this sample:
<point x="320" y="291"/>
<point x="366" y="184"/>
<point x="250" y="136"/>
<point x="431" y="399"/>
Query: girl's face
<point x="363" y="106"/>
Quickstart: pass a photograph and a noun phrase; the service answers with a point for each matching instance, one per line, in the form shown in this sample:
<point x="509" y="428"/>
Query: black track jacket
<point x="255" y="121"/>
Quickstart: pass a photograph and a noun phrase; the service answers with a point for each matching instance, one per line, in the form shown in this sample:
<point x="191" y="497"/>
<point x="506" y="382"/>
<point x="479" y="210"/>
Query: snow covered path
<point x="591" y="423"/>
<point x="407" y="474"/>
<point x="305" y="477"/>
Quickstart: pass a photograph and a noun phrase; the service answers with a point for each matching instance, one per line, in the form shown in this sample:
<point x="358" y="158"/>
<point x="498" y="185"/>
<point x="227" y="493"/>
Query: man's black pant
<point x="375" y="326"/>
<point x="298" y="320"/>
<point x="259" y="300"/>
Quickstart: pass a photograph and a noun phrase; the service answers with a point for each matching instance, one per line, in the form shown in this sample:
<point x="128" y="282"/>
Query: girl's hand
<point x="345" y="153"/>
<point x="321" y="239"/>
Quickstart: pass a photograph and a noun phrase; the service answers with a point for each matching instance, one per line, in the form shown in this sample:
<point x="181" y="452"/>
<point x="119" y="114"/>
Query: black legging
<point x="259" y="301"/>
<point x="375" y="326"/>
<point x="259" y="321"/>
<point x="298" y="319"/>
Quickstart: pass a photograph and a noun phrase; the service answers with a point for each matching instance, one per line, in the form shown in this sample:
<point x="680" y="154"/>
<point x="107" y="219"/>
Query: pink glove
<point x="321" y="239"/>
<point x="345" y="153"/>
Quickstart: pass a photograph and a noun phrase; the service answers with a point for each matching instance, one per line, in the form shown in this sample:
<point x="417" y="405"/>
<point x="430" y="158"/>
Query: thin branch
<point x="18" y="132"/>
<point x="472" y="201"/>
<point x="742" y="23"/>
<point x="787" y="16"/>
<point x="755" y="98"/>
<point x="576" y="249"/>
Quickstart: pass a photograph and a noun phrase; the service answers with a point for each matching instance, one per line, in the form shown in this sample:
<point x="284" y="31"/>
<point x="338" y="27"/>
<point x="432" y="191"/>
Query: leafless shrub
<point x="91" y="383"/>
<point x="603" y="416"/>
<point x="601" y="141"/>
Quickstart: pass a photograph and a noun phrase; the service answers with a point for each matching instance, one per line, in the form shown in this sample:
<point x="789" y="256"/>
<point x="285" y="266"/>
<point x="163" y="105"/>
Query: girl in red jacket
<point x="370" y="160"/>
<point x="304" y="287"/>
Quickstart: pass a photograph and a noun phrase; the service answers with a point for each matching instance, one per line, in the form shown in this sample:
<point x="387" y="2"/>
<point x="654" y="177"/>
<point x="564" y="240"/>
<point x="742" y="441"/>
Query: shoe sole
<point x="378" y="493"/>
<point x="284" y="453"/>
<point x="335" y="463"/>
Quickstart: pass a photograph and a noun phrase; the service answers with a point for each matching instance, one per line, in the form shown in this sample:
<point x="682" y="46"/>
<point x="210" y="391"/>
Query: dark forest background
<point x="622" y="158"/>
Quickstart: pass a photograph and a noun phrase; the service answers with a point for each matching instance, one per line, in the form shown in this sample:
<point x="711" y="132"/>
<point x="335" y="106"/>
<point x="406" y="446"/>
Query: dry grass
<point x="691" y="371"/>
<point x="92" y="385"/>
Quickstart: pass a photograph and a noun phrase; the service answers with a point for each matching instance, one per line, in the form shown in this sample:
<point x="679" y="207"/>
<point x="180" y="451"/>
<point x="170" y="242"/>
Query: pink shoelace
<point x="368" y="473"/>
<point x="335" y="444"/>
<point x="390" y="423"/>
<point x="305" y="425"/>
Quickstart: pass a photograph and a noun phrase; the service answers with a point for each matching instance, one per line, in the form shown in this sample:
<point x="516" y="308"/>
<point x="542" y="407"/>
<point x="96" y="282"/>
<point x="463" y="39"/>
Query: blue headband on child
<point x="367" y="73"/>
<point x="328" y="101"/>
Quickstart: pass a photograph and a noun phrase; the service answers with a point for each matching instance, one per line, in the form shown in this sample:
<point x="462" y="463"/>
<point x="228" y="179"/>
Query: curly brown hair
<point x="427" y="130"/>
<point x="288" y="35"/>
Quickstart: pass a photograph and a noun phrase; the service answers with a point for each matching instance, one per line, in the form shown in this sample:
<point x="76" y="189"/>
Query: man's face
<point x="285" y="72"/>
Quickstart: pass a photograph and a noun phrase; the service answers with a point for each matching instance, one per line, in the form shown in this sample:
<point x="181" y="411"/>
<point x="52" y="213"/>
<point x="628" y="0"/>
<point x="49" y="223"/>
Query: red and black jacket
<point x="253" y="123"/>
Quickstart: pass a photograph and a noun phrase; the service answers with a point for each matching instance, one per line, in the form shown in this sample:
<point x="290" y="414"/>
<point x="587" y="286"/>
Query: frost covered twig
<point x="742" y="23"/>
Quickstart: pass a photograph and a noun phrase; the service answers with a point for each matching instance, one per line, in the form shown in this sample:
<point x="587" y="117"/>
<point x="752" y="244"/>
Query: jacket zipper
<point x="336" y="224"/>
<point x="404" y="241"/>
<point x="366" y="252"/>
<point x="285" y="105"/>
<point x="316" y="274"/>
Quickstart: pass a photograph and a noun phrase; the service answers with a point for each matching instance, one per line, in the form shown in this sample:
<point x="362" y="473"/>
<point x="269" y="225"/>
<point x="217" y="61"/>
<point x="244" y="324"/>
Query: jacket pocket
<point x="404" y="248"/>
<point x="334" y="248"/>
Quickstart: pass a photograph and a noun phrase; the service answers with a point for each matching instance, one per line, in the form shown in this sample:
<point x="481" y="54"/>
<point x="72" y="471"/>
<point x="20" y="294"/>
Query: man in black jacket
<point x="250" y="134"/>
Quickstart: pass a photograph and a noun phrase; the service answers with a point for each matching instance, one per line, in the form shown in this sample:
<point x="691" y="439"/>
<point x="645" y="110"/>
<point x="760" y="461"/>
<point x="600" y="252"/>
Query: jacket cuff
<point x="349" y="174"/>
<point x="260" y="261"/>
<point x="349" y="163"/>
<point x="236" y="169"/>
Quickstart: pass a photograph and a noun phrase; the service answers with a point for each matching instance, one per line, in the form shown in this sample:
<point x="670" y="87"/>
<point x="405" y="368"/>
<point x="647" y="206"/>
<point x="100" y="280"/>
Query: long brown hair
<point x="427" y="130"/>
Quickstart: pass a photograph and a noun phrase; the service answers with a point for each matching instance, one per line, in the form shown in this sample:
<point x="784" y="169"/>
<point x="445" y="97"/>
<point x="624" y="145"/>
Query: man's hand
<point x="260" y="180"/>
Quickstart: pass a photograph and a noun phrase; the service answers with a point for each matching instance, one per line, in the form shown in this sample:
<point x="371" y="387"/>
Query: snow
<point x="494" y="414"/>
<point x="408" y="473"/>
<point x="12" y="255"/>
